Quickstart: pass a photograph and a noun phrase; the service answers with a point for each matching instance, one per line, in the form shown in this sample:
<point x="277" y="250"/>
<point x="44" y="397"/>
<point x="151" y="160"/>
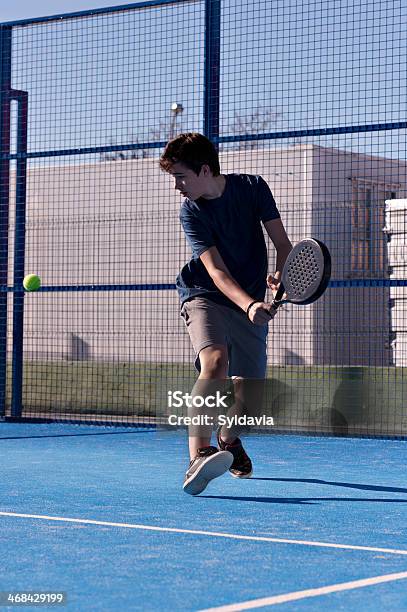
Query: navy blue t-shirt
<point x="231" y="223"/>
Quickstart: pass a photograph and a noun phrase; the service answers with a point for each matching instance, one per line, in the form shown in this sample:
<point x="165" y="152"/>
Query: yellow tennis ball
<point x="31" y="282"/>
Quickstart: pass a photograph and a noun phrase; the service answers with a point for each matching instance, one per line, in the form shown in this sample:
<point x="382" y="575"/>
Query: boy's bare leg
<point x="214" y="363"/>
<point x="248" y="394"/>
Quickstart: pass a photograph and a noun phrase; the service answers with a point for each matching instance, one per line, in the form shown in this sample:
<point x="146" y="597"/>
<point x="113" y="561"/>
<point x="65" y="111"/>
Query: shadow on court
<point x="304" y="500"/>
<point x="349" y="485"/>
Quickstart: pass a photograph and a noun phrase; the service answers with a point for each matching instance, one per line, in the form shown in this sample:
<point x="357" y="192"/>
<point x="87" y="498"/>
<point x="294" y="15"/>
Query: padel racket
<point x="306" y="274"/>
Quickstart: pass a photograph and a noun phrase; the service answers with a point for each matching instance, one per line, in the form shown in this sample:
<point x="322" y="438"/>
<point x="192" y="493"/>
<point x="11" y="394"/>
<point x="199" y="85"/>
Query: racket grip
<point x="274" y="307"/>
<point x="277" y="299"/>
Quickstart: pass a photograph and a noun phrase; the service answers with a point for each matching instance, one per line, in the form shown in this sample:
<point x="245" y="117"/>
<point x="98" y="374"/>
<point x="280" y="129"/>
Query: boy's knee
<point x="214" y="362"/>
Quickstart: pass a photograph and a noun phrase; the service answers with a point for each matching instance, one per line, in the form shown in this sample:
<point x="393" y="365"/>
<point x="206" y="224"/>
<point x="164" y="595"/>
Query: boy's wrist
<point x="249" y="306"/>
<point x="245" y="305"/>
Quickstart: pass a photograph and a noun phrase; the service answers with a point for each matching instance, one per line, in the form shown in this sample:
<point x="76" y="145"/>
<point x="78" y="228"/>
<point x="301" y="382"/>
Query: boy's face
<point x="189" y="184"/>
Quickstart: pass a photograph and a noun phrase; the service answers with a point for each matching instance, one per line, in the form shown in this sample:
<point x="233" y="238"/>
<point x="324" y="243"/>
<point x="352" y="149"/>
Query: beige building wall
<point x="117" y="223"/>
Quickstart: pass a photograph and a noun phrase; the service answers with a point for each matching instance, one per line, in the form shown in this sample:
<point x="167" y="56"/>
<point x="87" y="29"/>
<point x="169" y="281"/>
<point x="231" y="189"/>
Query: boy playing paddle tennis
<point x="222" y="291"/>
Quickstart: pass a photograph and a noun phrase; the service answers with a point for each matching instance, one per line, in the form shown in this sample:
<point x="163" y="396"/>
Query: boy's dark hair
<point x="193" y="150"/>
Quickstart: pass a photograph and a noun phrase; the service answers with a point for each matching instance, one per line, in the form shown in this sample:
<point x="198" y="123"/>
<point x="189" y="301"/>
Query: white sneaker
<point x="208" y="464"/>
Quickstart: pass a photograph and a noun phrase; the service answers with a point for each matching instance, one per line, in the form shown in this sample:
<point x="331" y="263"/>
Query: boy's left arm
<point x="283" y="246"/>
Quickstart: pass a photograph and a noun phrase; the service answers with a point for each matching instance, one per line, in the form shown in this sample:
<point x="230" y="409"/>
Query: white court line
<point x="390" y="551"/>
<point x="333" y="588"/>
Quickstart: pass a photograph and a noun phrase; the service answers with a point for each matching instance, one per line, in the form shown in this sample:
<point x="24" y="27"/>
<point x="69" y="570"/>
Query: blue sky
<point x="25" y="9"/>
<point x="310" y="64"/>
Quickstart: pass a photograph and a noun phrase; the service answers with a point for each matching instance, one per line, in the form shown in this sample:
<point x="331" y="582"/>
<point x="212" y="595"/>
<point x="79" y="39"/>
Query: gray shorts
<point x="210" y="323"/>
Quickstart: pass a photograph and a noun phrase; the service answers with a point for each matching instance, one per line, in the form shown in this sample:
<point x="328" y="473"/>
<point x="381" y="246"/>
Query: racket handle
<point x="277" y="298"/>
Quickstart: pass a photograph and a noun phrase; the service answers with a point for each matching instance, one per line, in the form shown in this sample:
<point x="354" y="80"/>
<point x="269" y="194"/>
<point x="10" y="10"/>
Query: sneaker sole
<point x="211" y="468"/>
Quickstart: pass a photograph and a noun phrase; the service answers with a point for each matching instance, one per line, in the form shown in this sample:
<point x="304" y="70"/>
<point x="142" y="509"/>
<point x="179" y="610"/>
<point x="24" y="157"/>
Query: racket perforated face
<point x="306" y="272"/>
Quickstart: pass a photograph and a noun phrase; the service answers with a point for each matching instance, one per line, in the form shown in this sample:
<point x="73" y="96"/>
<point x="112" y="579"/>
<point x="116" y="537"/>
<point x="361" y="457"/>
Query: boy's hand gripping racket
<point x="306" y="274"/>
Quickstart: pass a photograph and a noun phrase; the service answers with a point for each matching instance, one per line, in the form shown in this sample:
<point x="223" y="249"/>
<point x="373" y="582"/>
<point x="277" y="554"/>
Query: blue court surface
<point x="99" y="513"/>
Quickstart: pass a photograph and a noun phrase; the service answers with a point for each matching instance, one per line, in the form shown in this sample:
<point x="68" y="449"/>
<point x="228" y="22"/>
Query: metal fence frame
<point x="211" y="105"/>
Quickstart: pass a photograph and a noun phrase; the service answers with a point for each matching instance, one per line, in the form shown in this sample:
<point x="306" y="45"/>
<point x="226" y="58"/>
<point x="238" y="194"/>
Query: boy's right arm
<point x="212" y="260"/>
